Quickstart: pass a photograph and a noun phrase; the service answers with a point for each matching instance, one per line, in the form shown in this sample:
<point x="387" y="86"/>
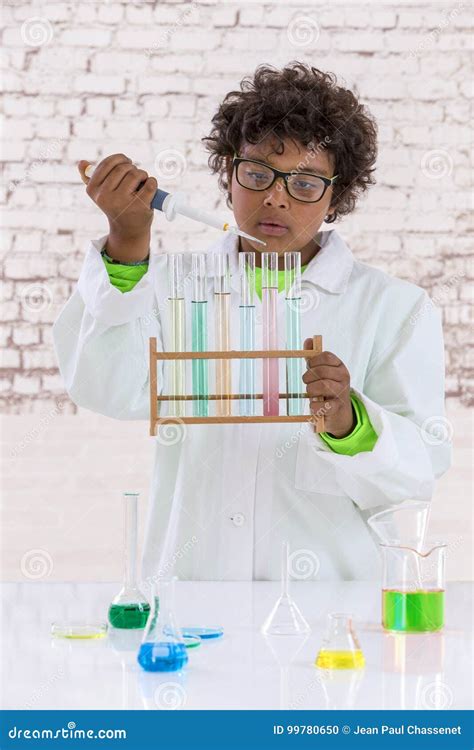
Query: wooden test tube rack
<point x="155" y="419"/>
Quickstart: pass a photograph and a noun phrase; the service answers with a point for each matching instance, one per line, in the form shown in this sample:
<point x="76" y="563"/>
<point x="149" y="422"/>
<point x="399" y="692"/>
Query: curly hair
<point x="306" y="105"/>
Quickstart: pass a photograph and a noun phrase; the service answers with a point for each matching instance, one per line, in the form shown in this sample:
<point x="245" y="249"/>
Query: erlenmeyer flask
<point x="163" y="648"/>
<point x="340" y="648"/>
<point x="130" y="608"/>
<point x="285" y="617"/>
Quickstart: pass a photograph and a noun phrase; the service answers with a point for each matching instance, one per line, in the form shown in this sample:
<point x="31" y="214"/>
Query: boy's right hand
<point x="113" y="187"/>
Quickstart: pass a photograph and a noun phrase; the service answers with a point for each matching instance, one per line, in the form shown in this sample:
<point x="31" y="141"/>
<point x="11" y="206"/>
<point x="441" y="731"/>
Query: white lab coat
<point x="223" y="497"/>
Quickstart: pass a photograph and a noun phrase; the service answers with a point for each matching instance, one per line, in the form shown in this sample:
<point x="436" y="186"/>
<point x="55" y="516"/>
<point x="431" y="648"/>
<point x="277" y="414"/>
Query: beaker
<point x="413" y="587"/>
<point x="163" y="648"/>
<point x="340" y="648"/>
<point x="130" y="608"/>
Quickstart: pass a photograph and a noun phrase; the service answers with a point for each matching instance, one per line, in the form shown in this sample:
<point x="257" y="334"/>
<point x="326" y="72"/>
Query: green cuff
<point x="124" y="278"/>
<point x="362" y="438"/>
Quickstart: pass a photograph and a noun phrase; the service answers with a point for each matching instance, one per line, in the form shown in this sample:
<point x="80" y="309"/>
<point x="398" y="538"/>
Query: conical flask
<point x="340" y="648"/>
<point x="163" y="648"/>
<point x="130" y="608"/>
<point x="285" y="617"/>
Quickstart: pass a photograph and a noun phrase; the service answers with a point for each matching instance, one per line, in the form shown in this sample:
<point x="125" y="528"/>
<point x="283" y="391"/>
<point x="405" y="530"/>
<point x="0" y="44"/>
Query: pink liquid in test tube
<point x="271" y="388"/>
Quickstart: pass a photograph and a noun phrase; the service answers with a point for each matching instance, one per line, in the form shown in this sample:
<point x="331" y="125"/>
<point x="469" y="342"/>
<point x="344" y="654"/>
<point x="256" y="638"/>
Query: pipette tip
<point x="236" y="230"/>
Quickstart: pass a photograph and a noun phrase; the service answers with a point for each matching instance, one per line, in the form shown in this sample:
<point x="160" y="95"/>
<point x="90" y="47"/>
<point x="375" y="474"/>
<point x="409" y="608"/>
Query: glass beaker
<point x="413" y="587"/>
<point x="130" y="608"/>
<point x="340" y="648"/>
<point x="163" y="648"/>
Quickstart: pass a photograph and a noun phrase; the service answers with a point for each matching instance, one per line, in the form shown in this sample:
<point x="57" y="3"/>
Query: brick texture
<point x="87" y="80"/>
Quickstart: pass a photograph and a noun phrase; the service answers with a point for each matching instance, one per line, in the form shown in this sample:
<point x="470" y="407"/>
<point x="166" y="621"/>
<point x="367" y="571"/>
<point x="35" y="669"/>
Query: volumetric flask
<point x="130" y="608"/>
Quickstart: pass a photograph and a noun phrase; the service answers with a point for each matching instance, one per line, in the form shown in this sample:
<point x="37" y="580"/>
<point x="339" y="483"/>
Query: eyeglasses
<point x="303" y="186"/>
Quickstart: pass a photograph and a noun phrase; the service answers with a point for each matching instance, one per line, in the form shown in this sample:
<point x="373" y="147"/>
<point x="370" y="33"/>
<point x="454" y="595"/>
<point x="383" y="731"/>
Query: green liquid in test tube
<point x="294" y="367"/>
<point x="247" y="333"/>
<point x="199" y="335"/>
<point x="178" y="332"/>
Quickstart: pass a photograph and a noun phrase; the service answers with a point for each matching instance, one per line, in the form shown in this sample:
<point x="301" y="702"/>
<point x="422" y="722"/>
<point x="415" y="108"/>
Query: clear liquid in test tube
<point x="199" y="334"/>
<point x="247" y="333"/>
<point x="222" y="333"/>
<point x="294" y="367"/>
<point x="177" y="333"/>
<point x="270" y="333"/>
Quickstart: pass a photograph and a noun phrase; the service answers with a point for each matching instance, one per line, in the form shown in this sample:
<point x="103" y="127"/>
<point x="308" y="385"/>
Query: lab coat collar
<point x="330" y="269"/>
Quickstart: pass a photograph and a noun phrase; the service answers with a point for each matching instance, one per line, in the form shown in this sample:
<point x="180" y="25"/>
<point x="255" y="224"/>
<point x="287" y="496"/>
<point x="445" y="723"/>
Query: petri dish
<point x="191" y="641"/>
<point x="79" y="630"/>
<point x="203" y="633"/>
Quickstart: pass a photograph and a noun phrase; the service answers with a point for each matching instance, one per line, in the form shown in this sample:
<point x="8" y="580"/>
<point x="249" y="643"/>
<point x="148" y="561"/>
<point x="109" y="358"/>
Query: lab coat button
<point x="238" y="519"/>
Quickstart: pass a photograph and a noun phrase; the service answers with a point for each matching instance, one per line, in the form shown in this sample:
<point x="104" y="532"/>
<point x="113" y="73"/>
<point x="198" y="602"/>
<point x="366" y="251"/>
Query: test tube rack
<point x="155" y="419"/>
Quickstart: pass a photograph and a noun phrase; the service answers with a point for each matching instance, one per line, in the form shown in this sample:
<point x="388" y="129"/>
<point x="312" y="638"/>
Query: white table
<point x="243" y="669"/>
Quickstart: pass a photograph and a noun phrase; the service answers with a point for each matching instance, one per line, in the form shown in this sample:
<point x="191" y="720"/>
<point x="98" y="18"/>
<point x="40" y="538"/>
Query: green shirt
<point x="362" y="438"/>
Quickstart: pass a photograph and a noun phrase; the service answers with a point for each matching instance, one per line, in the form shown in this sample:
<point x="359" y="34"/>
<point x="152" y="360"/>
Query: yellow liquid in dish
<point x="340" y="660"/>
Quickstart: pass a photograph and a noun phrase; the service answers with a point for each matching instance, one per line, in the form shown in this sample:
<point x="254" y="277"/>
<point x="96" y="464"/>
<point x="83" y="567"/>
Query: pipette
<point x="177" y="203"/>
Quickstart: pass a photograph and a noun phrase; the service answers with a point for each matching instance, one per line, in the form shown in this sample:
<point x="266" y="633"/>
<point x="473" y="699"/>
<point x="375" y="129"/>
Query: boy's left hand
<point x="327" y="376"/>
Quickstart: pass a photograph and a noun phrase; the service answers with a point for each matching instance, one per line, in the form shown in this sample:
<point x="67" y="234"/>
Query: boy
<point x="292" y="149"/>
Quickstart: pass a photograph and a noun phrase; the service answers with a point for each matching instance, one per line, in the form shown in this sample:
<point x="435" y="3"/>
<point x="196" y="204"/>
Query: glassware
<point x="199" y="335"/>
<point x="294" y="367"/>
<point x="340" y="648"/>
<point x="163" y="648"/>
<point x="285" y="617"/>
<point x="413" y="569"/>
<point x="222" y="332"/>
<point x="130" y="608"/>
<point x="271" y="388"/>
<point x="247" y="332"/>
<point x="178" y="331"/>
<point x="413" y="588"/>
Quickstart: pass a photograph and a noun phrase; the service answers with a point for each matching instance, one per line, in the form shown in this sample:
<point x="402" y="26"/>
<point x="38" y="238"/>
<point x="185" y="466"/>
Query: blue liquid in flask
<point x="164" y="656"/>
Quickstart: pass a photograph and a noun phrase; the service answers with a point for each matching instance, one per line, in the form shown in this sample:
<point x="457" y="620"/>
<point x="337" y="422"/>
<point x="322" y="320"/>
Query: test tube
<point x="222" y="332"/>
<point x="294" y="367"/>
<point x="199" y="334"/>
<point x="178" y="333"/>
<point x="270" y="333"/>
<point x="247" y="332"/>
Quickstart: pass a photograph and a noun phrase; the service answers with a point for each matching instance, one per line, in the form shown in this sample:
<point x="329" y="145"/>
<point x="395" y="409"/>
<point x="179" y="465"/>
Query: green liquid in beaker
<point x="412" y="611"/>
<point x="129" y="615"/>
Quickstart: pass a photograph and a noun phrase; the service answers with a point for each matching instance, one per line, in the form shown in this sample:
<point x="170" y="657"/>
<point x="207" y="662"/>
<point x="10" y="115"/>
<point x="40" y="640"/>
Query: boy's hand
<point x="124" y="193"/>
<point x="328" y="376"/>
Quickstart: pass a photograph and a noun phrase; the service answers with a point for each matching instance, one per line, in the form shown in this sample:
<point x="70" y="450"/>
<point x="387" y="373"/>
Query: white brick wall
<point x="96" y="78"/>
